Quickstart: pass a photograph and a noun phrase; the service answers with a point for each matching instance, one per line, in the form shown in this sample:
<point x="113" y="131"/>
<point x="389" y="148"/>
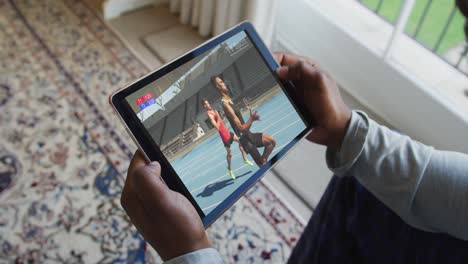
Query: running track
<point x="204" y="168"/>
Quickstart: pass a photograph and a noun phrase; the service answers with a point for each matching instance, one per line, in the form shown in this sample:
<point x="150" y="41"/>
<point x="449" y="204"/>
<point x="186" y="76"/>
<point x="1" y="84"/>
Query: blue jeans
<point x="350" y="225"/>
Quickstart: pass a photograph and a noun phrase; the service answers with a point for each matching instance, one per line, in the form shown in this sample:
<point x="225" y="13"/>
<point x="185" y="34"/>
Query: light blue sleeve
<point x="427" y="188"/>
<point x="202" y="256"/>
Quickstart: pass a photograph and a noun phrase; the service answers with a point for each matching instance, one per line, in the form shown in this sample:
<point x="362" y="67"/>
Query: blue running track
<point x="204" y="169"/>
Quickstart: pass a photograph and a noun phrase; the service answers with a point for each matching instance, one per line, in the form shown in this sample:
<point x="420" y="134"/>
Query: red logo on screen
<point x="144" y="98"/>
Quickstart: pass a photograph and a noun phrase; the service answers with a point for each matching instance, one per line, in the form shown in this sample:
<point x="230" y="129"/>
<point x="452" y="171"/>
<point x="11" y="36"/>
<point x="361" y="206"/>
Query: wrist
<point x="338" y="133"/>
<point x="202" y="243"/>
<point x="181" y="249"/>
<point x="340" y="161"/>
<point x="206" y="255"/>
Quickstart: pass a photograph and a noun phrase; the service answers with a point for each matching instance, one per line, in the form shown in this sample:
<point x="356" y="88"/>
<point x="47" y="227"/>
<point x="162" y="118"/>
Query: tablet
<point x="216" y="119"/>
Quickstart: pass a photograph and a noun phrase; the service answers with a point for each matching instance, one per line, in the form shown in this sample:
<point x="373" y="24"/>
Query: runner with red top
<point x="226" y="136"/>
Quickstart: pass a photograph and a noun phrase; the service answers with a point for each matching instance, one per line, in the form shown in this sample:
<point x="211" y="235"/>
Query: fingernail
<point x="154" y="164"/>
<point x="282" y="71"/>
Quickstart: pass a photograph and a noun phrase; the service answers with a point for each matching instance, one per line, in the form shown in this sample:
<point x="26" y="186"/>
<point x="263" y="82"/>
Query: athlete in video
<point x="226" y="136"/>
<point x="249" y="141"/>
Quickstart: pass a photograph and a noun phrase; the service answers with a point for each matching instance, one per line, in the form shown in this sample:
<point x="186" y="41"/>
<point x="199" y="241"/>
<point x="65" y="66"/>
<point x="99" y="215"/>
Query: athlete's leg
<point x="252" y="150"/>
<point x="269" y="143"/>
<point x="228" y="157"/>
<point x="244" y="155"/>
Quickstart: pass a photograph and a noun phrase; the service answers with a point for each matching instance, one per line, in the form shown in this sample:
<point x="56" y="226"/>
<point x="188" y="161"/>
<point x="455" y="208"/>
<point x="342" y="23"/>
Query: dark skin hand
<point x="165" y="219"/>
<point x="168" y="221"/>
<point x="321" y="98"/>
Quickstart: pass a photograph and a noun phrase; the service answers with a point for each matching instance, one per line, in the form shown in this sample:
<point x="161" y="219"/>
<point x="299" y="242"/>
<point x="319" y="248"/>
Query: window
<point x="410" y="80"/>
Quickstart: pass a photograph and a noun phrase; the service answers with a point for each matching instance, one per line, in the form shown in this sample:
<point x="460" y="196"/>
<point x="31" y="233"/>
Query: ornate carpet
<point x="64" y="154"/>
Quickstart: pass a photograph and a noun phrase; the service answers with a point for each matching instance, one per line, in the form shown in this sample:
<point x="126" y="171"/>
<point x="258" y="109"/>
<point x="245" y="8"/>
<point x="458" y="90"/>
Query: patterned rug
<point x="64" y="154"/>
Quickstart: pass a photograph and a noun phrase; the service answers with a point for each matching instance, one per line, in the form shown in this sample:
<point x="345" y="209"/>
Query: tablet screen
<point x="218" y="118"/>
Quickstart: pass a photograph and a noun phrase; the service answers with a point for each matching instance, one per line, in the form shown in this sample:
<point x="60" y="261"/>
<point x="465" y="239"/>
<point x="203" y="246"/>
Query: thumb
<point x="147" y="183"/>
<point x="154" y="168"/>
<point x="300" y="71"/>
<point x="282" y="72"/>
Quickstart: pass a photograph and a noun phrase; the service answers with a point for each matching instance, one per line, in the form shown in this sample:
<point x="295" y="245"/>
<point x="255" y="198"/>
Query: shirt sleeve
<point x="202" y="256"/>
<point x="427" y="188"/>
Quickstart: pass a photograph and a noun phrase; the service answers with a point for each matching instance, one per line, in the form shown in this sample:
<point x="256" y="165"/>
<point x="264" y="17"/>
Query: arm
<point x="165" y="218"/>
<point x="427" y="188"/>
<point x="213" y="123"/>
<point x="242" y="127"/>
<point x="218" y="123"/>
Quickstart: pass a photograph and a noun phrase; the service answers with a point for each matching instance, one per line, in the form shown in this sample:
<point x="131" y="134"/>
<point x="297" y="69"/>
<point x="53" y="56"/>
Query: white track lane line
<point x="182" y="177"/>
<point x="215" y="157"/>
<point x="200" y="156"/>
<point x="281" y="130"/>
<point x="272" y="154"/>
<point x="206" y="208"/>
<point x="224" y="175"/>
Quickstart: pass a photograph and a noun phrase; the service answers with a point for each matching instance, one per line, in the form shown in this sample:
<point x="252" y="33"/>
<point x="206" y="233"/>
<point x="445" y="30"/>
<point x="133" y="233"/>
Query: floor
<point x="156" y="36"/>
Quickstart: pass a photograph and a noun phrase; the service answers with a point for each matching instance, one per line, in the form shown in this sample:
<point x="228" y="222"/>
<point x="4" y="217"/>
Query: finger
<point x="138" y="160"/>
<point x="282" y="72"/>
<point x="285" y="59"/>
<point x="278" y="56"/>
<point x="257" y="115"/>
<point x="132" y="206"/>
<point x="137" y="214"/>
<point x="299" y="71"/>
<point x="147" y="184"/>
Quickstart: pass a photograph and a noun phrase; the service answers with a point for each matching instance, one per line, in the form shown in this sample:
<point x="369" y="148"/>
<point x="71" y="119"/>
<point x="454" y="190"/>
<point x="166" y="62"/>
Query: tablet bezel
<point x="147" y="145"/>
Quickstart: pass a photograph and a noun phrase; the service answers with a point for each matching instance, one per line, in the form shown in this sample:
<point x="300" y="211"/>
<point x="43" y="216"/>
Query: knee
<point x="271" y="141"/>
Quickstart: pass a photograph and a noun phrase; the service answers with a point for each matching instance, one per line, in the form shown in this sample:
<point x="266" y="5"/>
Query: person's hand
<point x="320" y="96"/>
<point x="254" y="115"/>
<point x="166" y="219"/>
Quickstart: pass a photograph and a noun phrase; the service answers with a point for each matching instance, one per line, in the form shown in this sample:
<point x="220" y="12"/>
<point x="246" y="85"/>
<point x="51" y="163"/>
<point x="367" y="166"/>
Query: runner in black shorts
<point x="226" y="136"/>
<point x="255" y="138"/>
<point x="250" y="141"/>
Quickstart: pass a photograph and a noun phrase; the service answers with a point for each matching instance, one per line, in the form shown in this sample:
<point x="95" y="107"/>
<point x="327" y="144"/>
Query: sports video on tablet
<point x="218" y="118"/>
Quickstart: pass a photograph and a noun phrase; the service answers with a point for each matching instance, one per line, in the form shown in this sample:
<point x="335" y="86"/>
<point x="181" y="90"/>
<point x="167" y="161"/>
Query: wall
<point x="245" y="73"/>
<point x="115" y="8"/>
<point x="399" y="98"/>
